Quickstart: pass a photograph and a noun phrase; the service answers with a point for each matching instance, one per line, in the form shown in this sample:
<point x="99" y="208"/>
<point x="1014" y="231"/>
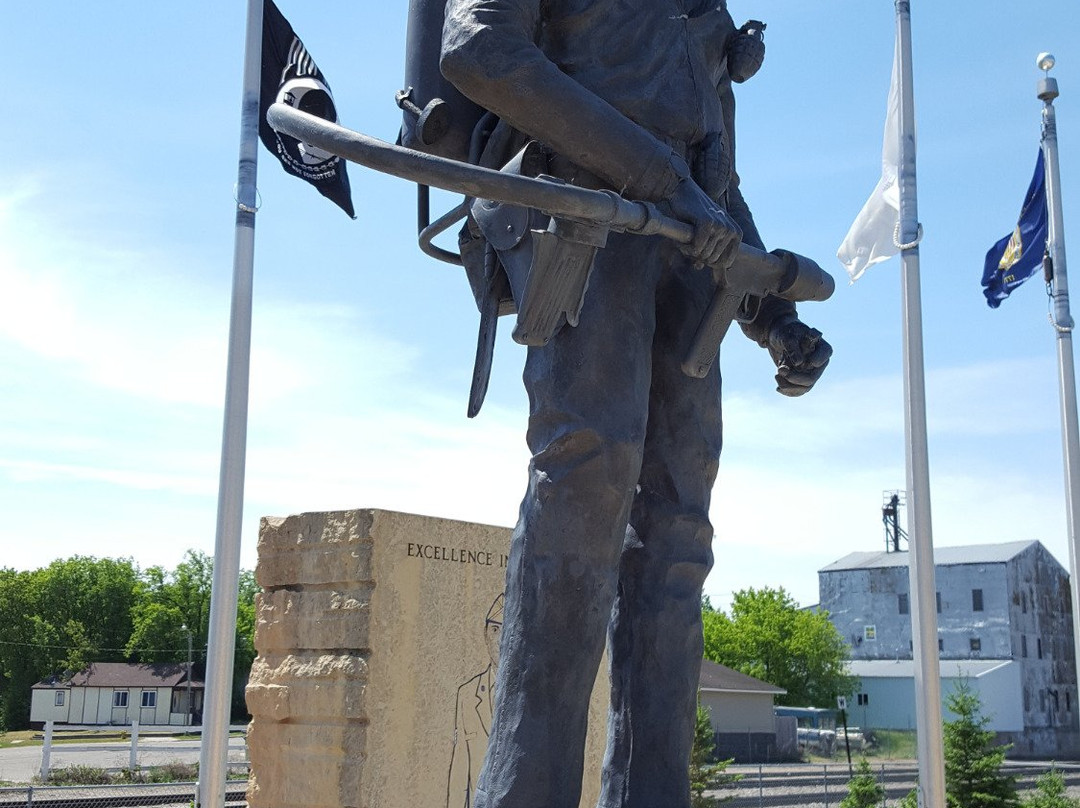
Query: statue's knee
<point x="590" y="464"/>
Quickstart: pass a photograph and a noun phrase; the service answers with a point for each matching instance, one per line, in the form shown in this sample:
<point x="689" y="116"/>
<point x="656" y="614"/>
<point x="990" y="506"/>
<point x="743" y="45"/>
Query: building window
<point x="149" y="698"/>
<point x="1068" y="702"/>
<point x="119" y="698"/>
<point x="863" y="699"/>
<point x="976" y="600"/>
<point x="937" y="597"/>
<point x="58" y="698"/>
<point x="1023" y="601"/>
<point x="902" y="603"/>
<point x="869" y="633"/>
<point x="976" y="644"/>
<point x="1038" y="646"/>
<point x="940" y="645"/>
<point x="1023" y="645"/>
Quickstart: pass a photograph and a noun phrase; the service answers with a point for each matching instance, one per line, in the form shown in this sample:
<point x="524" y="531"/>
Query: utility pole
<point x="187" y="720"/>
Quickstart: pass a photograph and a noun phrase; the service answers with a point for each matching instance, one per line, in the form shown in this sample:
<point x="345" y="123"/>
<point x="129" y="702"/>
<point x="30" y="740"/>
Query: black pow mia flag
<point x="290" y="76"/>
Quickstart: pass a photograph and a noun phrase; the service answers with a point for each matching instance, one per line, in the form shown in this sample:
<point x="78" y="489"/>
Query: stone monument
<point x="376" y="636"/>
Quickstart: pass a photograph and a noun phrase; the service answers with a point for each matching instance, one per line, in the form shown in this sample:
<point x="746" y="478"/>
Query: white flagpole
<point x="931" y="749"/>
<point x="1063" y="325"/>
<point x="221" y="645"/>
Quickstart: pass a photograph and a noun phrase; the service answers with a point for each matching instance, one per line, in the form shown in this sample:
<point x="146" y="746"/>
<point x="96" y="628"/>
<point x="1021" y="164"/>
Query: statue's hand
<point x="716" y="236"/>
<point x="801" y="355"/>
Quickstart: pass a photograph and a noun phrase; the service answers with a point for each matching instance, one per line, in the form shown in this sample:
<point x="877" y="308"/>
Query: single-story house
<point x="119" y="693"/>
<point x="741" y="711"/>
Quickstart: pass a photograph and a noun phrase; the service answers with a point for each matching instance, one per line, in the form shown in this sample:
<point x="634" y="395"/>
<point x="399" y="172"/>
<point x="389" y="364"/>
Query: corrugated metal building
<point x="1004" y="622"/>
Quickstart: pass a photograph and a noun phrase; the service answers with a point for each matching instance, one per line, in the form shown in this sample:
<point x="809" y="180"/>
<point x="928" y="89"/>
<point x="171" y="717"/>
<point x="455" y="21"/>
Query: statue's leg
<point x="588" y="391"/>
<point x="655" y="642"/>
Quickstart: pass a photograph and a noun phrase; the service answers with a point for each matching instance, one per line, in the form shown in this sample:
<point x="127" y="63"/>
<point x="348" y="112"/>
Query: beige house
<point x="741" y="711"/>
<point x="119" y="693"/>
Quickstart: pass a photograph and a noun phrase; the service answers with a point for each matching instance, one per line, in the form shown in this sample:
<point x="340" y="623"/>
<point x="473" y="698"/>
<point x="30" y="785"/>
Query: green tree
<point x="158" y="634"/>
<point x="973" y="763"/>
<point x="96" y="593"/>
<point x="705" y="773"/>
<point x="245" y="640"/>
<point x="769" y="637"/>
<point x="1050" y="793"/>
<point x="169" y="600"/>
<point x="58" y="619"/>
<point x="864" y="791"/>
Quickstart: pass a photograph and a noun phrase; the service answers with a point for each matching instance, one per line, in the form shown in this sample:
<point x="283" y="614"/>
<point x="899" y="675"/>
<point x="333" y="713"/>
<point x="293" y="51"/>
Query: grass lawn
<point x="893" y="743"/>
<point x="23" y="737"/>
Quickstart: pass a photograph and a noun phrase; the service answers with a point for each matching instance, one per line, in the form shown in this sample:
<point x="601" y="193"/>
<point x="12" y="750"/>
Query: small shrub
<point x="704" y="773"/>
<point x="1050" y="793"/>
<point x="174" y="772"/>
<point x="864" y="791"/>
<point x="78" y="776"/>
<point x="909" y="800"/>
<point x="974" y="766"/>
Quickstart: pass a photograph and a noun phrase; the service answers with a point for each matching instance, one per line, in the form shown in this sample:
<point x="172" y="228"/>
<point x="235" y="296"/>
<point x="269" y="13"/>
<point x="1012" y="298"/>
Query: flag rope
<point x="247" y="208"/>
<point x="1060" y="329"/>
<point x="911" y="244"/>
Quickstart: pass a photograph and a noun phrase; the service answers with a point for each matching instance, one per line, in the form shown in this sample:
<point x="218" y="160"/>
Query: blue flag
<point x="1015" y="258"/>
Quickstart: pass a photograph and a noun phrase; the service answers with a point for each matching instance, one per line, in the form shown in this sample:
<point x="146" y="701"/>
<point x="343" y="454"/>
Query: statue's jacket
<point x="636" y="92"/>
<point x="596" y="80"/>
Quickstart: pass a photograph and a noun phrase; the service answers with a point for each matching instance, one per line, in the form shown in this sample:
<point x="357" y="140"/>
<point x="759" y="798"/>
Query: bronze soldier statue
<point x="614" y="535"/>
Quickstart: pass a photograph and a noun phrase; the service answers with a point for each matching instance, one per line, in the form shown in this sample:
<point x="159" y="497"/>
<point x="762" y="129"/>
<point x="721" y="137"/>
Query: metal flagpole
<point x="931" y="750"/>
<point x="1063" y="325"/>
<point x="221" y="645"/>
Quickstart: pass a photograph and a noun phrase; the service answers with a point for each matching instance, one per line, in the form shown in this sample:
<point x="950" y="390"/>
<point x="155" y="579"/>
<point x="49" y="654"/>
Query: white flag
<point x="873" y="236"/>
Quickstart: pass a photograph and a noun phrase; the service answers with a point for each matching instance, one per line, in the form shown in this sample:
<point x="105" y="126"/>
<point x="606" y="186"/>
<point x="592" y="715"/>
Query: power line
<point x="100" y="650"/>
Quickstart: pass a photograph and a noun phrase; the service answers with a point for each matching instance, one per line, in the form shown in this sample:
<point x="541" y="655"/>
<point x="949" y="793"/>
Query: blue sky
<point x="116" y="228"/>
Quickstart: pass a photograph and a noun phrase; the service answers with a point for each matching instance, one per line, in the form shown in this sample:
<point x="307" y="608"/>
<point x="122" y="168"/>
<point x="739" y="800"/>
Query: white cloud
<point x="342" y="416"/>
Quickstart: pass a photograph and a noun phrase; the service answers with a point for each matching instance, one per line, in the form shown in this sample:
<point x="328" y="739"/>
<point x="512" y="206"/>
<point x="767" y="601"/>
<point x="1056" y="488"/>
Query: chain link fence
<point x="824" y="786"/>
<point x="168" y="795"/>
<point x="763" y="786"/>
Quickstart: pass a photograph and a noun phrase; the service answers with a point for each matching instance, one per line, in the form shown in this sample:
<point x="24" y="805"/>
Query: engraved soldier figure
<point x="614" y="536"/>
<point x="472" y="716"/>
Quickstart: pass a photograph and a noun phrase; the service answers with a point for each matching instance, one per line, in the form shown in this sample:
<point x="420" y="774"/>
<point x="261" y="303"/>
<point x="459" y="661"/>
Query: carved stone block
<point x="372" y="688"/>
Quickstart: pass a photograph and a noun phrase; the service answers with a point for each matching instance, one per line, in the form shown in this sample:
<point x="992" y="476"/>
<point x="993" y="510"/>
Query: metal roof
<point x="943" y="556"/>
<point x="905" y="668"/>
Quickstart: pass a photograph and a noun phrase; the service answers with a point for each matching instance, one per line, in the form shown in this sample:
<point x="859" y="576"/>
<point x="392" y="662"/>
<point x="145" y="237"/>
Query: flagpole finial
<point x="1048" y="87"/>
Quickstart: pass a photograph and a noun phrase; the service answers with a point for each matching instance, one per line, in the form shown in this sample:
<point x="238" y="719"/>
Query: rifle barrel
<point x="605" y="208"/>
<point x="553" y="198"/>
